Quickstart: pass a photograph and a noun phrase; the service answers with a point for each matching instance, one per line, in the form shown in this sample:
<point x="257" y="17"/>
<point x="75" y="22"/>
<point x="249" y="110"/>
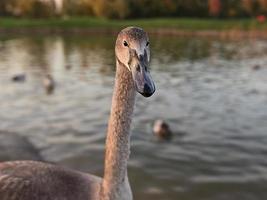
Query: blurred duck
<point x="68" y="67"/>
<point x="162" y="130"/>
<point x="49" y="84"/>
<point x="256" y="67"/>
<point x="19" y="78"/>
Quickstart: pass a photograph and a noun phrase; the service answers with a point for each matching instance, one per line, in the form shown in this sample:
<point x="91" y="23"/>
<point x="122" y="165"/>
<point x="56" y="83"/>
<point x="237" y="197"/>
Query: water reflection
<point x="206" y="88"/>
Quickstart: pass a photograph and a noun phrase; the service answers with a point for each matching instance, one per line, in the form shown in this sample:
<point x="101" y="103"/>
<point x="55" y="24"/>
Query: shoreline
<point x="238" y="28"/>
<point x="172" y="32"/>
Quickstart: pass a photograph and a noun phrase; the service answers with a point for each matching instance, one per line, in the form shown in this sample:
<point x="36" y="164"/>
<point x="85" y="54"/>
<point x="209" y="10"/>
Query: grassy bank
<point x="242" y="28"/>
<point x="176" y="23"/>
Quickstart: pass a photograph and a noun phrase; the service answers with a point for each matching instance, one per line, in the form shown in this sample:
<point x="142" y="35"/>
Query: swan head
<point x="133" y="51"/>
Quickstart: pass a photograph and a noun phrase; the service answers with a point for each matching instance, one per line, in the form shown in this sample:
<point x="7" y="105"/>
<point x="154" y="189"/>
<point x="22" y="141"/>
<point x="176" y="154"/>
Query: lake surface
<point x="207" y="90"/>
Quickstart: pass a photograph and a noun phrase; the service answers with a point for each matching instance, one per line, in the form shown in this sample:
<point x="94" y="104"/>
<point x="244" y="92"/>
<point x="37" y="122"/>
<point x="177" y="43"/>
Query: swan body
<point x="30" y="180"/>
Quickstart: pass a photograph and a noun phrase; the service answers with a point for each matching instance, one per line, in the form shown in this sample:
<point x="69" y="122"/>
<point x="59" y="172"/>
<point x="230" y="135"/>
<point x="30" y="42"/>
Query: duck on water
<point x="31" y="180"/>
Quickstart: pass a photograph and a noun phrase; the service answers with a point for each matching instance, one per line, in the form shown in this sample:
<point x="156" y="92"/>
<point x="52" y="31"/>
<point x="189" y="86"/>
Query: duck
<point x="161" y="129"/>
<point x="256" y="67"/>
<point x="49" y="84"/>
<point x="19" y="78"/>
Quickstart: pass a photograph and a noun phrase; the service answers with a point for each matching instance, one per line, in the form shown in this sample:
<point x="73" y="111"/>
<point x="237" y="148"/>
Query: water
<point x="207" y="90"/>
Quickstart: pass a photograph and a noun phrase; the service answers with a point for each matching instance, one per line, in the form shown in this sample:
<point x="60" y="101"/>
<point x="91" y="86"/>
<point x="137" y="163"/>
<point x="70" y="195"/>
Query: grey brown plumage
<point x="31" y="180"/>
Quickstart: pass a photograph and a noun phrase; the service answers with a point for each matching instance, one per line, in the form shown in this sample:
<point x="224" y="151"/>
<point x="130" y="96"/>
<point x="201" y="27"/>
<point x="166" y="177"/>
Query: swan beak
<point x="142" y="79"/>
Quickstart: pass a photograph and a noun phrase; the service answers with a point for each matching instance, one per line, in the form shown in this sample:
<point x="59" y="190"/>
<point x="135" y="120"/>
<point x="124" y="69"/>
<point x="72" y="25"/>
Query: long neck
<point x="115" y="182"/>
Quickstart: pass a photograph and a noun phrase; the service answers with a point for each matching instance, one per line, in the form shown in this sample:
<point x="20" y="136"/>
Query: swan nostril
<point x="138" y="68"/>
<point x="146" y="68"/>
<point x="147" y="89"/>
<point x="141" y="58"/>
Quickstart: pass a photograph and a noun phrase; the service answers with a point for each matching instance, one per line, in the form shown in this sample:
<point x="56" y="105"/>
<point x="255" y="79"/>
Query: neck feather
<point x="115" y="179"/>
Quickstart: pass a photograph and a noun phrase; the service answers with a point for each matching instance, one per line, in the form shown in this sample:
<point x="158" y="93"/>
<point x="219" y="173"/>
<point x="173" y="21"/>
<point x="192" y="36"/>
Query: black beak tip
<point x="147" y="94"/>
<point x="148" y="91"/>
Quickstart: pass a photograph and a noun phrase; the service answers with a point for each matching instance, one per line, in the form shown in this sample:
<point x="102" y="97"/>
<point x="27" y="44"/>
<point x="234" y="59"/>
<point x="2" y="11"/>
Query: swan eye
<point x="147" y="43"/>
<point x="125" y="44"/>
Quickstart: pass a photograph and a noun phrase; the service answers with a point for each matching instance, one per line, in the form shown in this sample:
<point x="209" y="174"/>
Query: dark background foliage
<point x="134" y="8"/>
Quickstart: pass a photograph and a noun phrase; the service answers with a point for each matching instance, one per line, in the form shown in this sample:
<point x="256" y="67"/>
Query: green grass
<point x="175" y="23"/>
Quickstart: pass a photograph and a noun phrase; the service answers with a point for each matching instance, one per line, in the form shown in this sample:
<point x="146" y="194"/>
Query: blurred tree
<point x="70" y="6"/>
<point x="248" y="6"/>
<point x="23" y="7"/>
<point x="263" y="6"/>
<point x="231" y="8"/>
<point x="58" y="6"/>
<point x="3" y="4"/>
<point x="43" y="8"/>
<point x="255" y="7"/>
<point x="215" y="7"/>
<point x="17" y="7"/>
<point x="198" y="8"/>
<point x="77" y="7"/>
<point x="144" y="8"/>
<point x="134" y="8"/>
<point x="110" y="9"/>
